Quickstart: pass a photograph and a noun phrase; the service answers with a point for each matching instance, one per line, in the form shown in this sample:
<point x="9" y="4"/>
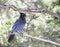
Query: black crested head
<point x="22" y="16"/>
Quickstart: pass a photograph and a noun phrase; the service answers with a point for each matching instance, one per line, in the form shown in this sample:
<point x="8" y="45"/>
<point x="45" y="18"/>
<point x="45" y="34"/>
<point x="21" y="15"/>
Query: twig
<point x="29" y="22"/>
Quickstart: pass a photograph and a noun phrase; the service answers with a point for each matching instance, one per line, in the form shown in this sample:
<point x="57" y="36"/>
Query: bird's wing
<point x="18" y="26"/>
<point x="14" y="26"/>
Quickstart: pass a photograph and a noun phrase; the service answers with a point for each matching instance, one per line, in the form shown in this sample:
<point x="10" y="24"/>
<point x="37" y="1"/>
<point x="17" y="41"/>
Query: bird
<point x="18" y="26"/>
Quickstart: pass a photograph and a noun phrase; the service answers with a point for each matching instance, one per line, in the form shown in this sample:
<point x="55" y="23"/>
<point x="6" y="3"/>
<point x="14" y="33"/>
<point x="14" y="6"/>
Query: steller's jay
<point x="18" y="26"/>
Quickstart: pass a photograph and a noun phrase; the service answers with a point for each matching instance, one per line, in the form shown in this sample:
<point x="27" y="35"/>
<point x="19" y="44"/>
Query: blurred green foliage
<point x="45" y="26"/>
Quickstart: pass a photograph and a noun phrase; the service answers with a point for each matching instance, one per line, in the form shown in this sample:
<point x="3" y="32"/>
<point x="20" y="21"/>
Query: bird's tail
<point x="11" y="37"/>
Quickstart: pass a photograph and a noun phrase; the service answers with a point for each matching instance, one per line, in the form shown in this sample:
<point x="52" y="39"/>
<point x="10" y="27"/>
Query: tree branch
<point x="30" y="10"/>
<point x="25" y="34"/>
<point x="40" y="39"/>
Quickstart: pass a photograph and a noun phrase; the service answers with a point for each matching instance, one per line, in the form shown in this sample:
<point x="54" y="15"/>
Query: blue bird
<point x="18" y="26"/>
